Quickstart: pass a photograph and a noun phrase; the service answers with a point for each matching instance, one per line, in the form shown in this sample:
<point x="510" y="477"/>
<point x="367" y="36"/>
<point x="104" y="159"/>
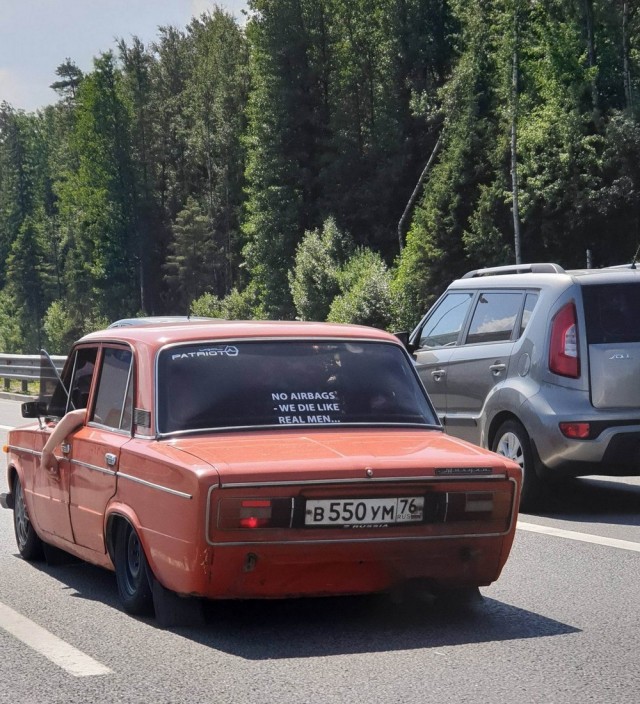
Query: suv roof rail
<point x="541" y="268"/>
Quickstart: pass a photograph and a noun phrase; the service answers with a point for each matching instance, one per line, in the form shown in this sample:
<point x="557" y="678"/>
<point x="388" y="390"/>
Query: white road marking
<point x="7" y="427"/>
<point x="584" y="537"/>
<point x="60" y="653"/>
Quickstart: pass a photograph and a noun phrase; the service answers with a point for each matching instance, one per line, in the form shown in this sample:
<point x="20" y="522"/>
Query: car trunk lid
<point x="294" y="456"/>
<point x="612" y="313"/>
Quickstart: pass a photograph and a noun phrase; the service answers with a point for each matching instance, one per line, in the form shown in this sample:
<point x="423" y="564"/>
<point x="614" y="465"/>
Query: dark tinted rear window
<point x="287" y="383"/>
<point x="612" y="312"/>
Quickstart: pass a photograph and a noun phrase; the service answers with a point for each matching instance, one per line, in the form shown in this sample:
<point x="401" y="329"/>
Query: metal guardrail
<point x="24" y="368"/>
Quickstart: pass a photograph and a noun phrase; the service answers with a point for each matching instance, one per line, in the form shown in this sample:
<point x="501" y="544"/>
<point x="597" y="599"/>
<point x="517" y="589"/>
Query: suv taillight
<point x="564" y="354"/>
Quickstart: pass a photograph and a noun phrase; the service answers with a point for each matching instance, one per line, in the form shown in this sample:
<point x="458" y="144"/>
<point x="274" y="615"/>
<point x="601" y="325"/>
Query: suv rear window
<point x="612" y="313"/>
<point x="287" y="383"/>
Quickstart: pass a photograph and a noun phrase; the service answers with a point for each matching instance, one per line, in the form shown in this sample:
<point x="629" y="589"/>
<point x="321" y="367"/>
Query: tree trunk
<point x="416" y="191"/>
<point x="591" y="53"/>
<point x="626" y="73"/>
<point x="514" y="141"/>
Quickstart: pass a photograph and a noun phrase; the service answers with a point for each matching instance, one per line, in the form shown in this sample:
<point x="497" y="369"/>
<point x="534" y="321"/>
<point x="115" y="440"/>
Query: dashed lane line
<point x="583" y="537"/>
<point x="53" y="648"/>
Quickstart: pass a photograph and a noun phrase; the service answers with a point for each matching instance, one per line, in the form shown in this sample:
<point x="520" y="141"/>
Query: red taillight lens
<point x="255" y="513"/>
<point x="564" y="354"/>
<point x="249" y="514"/>
<point x="577" y="431"/>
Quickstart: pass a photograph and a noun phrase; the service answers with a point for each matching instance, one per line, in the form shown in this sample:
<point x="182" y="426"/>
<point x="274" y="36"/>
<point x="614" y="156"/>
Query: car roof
<point x="547" y="275"/>
<point x="158" y="320"/>
<point x="163" y="333"/>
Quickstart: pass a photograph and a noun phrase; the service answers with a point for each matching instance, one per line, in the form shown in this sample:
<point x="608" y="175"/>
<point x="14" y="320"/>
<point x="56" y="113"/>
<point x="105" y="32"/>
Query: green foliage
<point x="237" y="305"/>
<point x="192" y="254"/>
<point x="314" y="279"/>
<point x="59" y="328"/>
<point x="11" y="340"/>
<point x="366" y="296"/>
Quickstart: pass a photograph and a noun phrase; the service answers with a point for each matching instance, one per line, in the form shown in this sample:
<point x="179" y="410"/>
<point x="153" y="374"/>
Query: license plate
<point x="363" y="512"/>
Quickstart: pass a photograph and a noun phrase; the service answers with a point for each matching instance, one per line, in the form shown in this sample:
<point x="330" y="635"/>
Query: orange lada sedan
<point x="232" y="460"/>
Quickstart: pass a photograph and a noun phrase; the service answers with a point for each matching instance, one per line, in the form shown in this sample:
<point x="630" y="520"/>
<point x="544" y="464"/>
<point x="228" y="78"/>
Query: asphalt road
<point x="561" y="625"/>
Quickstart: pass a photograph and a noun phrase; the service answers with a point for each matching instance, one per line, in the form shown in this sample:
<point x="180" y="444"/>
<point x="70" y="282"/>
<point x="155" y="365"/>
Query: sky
<point x="36" y="36"/>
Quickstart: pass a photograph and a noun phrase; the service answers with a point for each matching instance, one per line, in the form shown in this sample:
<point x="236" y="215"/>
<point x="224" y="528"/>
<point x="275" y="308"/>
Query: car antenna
<point x="635" y="258"/>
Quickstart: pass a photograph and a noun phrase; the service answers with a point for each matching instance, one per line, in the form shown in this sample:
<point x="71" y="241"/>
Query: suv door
<point x="481" y="362"/>
<point x="434" y="340"/>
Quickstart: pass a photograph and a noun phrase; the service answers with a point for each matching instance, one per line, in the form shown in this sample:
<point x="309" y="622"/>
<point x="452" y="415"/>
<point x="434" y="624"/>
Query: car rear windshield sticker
<point x="220" y="351"/>
<point x="306" y="407"/>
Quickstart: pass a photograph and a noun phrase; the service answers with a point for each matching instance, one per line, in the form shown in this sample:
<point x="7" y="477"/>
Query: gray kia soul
<point x="541" y="365"/>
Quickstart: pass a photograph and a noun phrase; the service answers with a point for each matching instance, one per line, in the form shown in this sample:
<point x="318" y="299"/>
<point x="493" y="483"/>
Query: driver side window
<point x="444" y="324"/>
<point x="72" y="391"/>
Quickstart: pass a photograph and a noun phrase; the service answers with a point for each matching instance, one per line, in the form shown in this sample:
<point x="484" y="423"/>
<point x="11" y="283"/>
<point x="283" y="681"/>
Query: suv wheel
<point x="513" y="442"/>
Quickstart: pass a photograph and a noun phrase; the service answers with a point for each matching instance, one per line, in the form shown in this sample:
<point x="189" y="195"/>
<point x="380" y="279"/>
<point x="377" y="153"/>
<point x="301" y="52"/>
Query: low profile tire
<point x="29" y="544"/>
<point x="512" y="441"/>
<point x="132" y="572"/>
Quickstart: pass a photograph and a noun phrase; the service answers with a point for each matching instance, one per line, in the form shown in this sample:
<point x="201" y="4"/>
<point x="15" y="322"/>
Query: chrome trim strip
<point x="26" y="450"/>
<point x="365" y="480"/>
<point x="110" y="428"/>
<point x="301" y="427"/>
<point x="151" y="485"/>
<point x="207" y="513"/>
<point x="387" y="539"/>
<point x="92" y="467"/>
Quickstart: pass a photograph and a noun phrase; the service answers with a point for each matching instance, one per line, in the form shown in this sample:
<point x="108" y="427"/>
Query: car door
<point x="434" y="341"/>
<point x="95" y="448"/>
<point x="481" y="363"/>
<point x="51" y="491"/>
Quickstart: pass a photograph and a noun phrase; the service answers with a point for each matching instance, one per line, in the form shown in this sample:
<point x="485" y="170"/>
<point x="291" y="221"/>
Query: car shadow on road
<point x="593" y="500"/>
<point x="258" y="630"/>
<point x="313" y="627"/>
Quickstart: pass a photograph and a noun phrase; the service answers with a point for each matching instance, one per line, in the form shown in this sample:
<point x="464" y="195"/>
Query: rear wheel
<point x="132" y="572"/>
<point x="512" y="441"/>
<point x="29" y="544"/>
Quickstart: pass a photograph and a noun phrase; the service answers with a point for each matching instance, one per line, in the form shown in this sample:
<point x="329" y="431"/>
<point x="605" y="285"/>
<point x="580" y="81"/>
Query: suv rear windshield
<point x="612" y="313"/>
<point x="287" y="383"/>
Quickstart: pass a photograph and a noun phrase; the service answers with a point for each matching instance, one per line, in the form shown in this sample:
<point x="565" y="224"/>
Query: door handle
<point x="437" y="374"/>
<point x="497" y="368"/>
<point x="110" y="459"/>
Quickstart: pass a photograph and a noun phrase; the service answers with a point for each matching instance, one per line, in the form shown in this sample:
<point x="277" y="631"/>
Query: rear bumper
<point x="283" y="571"/>
<point x="620" y="457"/>
<point x="615" y="449"/>
<point x="6" y="500"/>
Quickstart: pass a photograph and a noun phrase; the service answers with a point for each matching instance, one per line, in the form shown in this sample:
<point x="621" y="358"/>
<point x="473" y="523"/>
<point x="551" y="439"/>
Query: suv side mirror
<point x="404" y="339"/>
<point x="34" y="409"/>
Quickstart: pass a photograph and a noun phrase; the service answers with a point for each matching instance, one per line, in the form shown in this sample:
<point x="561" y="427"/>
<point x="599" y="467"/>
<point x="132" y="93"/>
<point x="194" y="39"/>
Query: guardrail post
<point x="7" y="384"/>
<point x="25" y="386"/>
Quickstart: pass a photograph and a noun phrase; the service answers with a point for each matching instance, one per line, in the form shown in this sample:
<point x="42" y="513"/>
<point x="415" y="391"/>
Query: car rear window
<point x="612" y="313"/>
<point x="287" y="383"/>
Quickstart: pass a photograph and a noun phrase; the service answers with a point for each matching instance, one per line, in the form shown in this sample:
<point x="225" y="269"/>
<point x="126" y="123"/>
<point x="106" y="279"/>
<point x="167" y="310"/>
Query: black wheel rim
<point x="21" y="518"/>
<point x="133" y="563"/>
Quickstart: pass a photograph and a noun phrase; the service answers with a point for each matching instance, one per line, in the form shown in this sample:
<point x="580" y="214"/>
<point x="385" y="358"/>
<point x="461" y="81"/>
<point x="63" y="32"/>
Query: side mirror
<point x="34" y="409"/>
<point x="404" y="339"/>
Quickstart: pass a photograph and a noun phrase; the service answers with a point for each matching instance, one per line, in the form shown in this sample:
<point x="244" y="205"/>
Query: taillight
<point x="564" y="355"/>
<point x="249" y="514"/>
<point x="478" y="506"/>
<point x="576" y="431"/>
